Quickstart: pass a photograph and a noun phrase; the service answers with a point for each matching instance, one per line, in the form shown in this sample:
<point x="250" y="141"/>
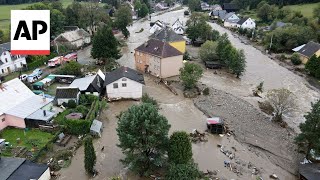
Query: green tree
<point x="190" y="74"/>
<point x="267" y="12"/>
<point x="194" y="5"/>
<point x="105" y="45"/>
<point x="147" y="99"/>
<point x="143" y="11"/>
<point x="89" y="155"/>
<point x="137" y="5"/>
<point x="123" y="18"/>
<point x="198" y="28"/>
<point x="313" y="66"/>
<point x="215" y="35"/>
<point x="236" y="62"/>
<point x="180" y="148"/>
<point x="143" y="136"/>
<point x="71" y="68"/>
<point x="183" y="171"/>
<point x="310" y="131"/>
<point x="295" y="59"/>
<point x="1" y="36"/>
<point x="316" y="13"/>
<point x="207" y="51"/>
<point x="223" y="47"/>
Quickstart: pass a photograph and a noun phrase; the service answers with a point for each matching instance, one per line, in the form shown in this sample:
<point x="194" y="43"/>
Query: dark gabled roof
<point x="310" y="171"/>
<point x="28" y="170"/>
<point x="4" y="47"/>
<point x="230" y="6"/>
<point x="67" y="92"/>
<point x="8" y="165"/>
<point x="309" y="49"/>
<point x="158" y="48"/>
<point x="121" y="73"/>
<point x="167" y="35"/>
<point x="241" y="21"/>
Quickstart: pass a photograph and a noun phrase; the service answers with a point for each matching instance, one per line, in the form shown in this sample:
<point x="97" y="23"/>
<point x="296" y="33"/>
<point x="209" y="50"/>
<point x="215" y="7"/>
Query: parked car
<point x="23" y="77"/>
<point x="37" y="71"/>
<point x="56" y="61"/>
<point x="33" y="78"/>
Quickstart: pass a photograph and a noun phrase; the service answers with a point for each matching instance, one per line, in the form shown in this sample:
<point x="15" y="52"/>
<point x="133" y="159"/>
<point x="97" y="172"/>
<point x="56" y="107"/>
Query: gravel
<point x="252" y="127"/>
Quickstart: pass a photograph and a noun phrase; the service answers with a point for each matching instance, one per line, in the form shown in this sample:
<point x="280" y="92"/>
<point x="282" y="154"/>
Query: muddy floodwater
<point x="183" y="115"/>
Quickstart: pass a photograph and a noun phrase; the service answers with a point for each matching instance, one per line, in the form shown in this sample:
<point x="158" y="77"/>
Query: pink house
<point x="19" y="104"/>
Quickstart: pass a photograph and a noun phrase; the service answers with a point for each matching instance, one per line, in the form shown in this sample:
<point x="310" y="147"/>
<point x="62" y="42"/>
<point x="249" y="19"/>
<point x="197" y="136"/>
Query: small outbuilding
<point x="96" y="128"/>
<point x="89" y="85"/>
<point x="65" y="94"/>
<point x="215" y="125"/>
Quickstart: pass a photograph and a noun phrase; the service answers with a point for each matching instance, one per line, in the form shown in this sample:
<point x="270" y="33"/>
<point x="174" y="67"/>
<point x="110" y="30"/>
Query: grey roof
<point x="8" y="165"/>
<point x="228" y="15"/>
<point x="310" y="171"/>
<point x="309" y="49"/>
<point x="96" y="126"/>
<point x="67" y="92"/>
<point x="38" y="115"/>
<point x="83" y="83"/>
<point x="29" y="106"/>
<point x="298" y="48"/>
<point x="123" y="72"/>
<point x="5" y="47"/>
<point x="158" y="48"/>
<point x="241" y="21"/>
<point x="230" y="6"/>
<point x="167" y="35"/>
<point x="28" y="170"/>
<point x="220" y="13"/>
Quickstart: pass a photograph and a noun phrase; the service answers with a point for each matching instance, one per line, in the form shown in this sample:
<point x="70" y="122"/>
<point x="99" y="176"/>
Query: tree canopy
<point x="89" y="155"/>
<point x="123" y="18"/>
<point x="180" y="148"/>
<point x="143" y="136"/>
<point x="190" y="74"/>
<point x="208" y="51"/>
<point x="187" y="171"/>
<point x="198" y="28"/>
<point x="71" y="68"/>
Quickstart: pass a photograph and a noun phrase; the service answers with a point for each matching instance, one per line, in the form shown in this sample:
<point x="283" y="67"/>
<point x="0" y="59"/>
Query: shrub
<point x="87" y="99"/>
<point x="186" y="56"/>
<point x="77" y="127"/>
<point x="183" y="171"/>
<point x="71" y="68"/>
<point x="147" y="99"/>
<point x="82" y="109"/>
<point x="72" y="104"/>
<point x="180" y="148"/>
<point x="206" y="91"/>
<point x="295" y="59"/>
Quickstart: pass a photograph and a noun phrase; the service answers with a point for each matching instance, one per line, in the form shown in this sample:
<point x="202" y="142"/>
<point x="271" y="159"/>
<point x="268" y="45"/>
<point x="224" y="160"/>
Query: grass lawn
<point x="305" y="9"/>
<point x="51" y="90"/>
<point x="33" y="136"/>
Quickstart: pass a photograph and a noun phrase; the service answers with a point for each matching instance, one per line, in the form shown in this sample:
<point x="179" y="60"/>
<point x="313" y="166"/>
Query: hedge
<point x="38" y="61"/>
<point x="96" y="106"/>
<point x="77" y="127"/>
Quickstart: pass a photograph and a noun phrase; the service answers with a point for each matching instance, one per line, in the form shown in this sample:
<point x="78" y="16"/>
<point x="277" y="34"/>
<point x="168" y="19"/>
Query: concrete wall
<point x="230" y="24"/>
<point x="46" y="175"/>
<point x="132" y="90"/>
<point x="170" y="66"/>
<point x="154" y="65"/>
<point x="180" y="45"/>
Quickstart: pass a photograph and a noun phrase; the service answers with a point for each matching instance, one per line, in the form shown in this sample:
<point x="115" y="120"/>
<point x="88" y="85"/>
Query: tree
<point x="105" y="45"/>
<point x="147" y="99"/>
<point x="180" y="148"/>
<point x="123" y="18"/>
<point x="89" y="155"/>
<point x="313" y="66"/>
<point x="207" y="51"/>
<point x="194" y="5"/>
<point x="295" y="59"/>
<point x="223" y="47"/>
<point x="71" y="68"/>
<point x="236" y="61"/>
<point x="310" y="131"/>
<point x="267" y="12"/>
<point x="282" y="101"/>
<point x="1" y="36"/>
<point x="183" y="171"/>
<point x="143" y="11"/>
<point x="143" y="136"/>
<point x="190" y="74"/>
<point x="198" y="28"/>
<point x="316" y="13"/>
<point x="215" y="35"/>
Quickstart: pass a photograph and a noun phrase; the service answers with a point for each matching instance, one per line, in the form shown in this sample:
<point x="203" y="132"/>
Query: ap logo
<point x="30" y="32"/>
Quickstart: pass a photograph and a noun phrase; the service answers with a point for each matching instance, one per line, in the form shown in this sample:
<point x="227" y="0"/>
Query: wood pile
<point x="196" y="136"/>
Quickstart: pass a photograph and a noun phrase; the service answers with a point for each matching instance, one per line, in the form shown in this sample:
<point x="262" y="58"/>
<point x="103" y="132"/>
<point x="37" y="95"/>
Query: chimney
<point x="44" y="113"/>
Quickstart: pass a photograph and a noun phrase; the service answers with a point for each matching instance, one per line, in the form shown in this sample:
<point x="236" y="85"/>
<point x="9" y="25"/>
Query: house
<point x="8" y="62"/>
<point x="96" y="128"/>
<point x="205" y="6"/>
<point x="22" y="169"/>
<point x="231" y="23"/>
<point x="218" y="14"/>
<point x="177" y="24"/>
<point x="124" y="83"/>
<point x="309" y="171"/>
<point x="308" y="50"/>
<point x="22" y="106"/>
<point x="230" y="7"/>
<point x="65" y="94"/>
<point x="89" y="85"/>
<point x="161" y="7"/>
<point x="179" y="30"/>
<point x="216" y="7"/>
<point x="246" y="23"/>
<point x="158" y="25"/>
<point x="231" y="16"/>
<point x="158" y="58"/>
<point x="74" y="39"/>
<point x="168" y="35"/>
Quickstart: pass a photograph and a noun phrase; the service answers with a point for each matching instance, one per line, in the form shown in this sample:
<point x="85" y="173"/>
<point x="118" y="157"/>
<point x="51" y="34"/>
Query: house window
<point x="3" y="120"/>
<point x="21" y="64"/>
<point x="124" y="79"/>
<point x="98" y="82"/>
<point x="2" y="70"/>
<point x="115" y="85"/>
<point x="6" y="59"/>
<point x="124" y="84"/>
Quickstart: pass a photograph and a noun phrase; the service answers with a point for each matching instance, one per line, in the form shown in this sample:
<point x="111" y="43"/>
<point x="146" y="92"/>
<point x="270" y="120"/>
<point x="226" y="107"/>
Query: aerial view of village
<point x="163" y="90"/>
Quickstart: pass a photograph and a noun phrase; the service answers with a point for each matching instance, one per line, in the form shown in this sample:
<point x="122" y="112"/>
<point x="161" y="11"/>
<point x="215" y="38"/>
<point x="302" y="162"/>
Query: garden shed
<point x="96" y="128"/>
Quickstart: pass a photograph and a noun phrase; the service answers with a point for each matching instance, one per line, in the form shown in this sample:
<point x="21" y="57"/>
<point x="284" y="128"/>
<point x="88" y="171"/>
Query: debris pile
<point x="196" y="136"/>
